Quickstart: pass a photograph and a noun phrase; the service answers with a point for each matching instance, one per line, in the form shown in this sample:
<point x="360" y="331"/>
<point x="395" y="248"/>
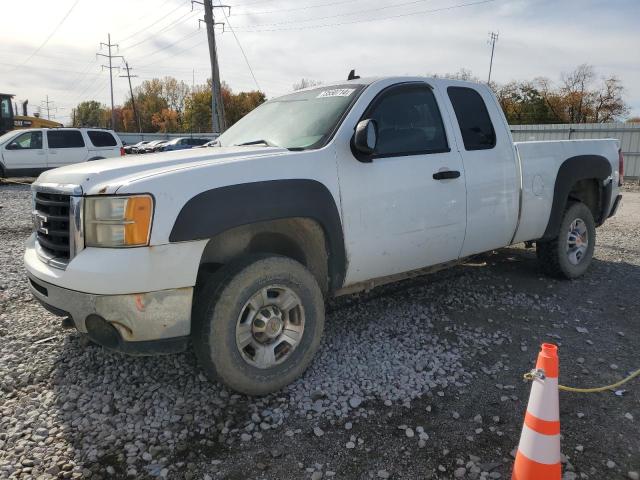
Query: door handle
<point x="446" y="175"/>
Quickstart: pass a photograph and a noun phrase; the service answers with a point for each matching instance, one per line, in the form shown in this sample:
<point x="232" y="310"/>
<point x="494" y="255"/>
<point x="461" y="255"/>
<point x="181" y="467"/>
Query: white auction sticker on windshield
<point x="336" y="92"/>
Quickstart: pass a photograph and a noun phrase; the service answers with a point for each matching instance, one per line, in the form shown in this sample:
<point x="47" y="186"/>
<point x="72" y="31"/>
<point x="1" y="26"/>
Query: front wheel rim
<point x="270" y="326"/>
<point x="577" y="241"/>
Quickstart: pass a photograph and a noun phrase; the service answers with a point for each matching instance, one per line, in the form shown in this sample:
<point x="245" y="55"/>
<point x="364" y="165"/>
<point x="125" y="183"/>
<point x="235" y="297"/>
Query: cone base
<point x="527" y="469"/>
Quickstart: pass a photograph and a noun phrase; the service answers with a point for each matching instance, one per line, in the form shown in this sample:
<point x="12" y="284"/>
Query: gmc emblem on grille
<point x="38" y="223"/>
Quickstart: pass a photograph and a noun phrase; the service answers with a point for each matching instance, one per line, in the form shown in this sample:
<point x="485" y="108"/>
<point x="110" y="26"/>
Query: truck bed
<point x="539" y="163"/>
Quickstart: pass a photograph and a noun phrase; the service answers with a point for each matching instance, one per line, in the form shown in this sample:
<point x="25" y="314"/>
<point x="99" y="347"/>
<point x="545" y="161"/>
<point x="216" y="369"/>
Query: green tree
<point x="89" y="114"/>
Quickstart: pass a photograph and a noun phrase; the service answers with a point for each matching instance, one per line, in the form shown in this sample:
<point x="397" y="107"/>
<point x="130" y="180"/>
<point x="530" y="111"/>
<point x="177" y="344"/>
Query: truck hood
<point x="106" y="176"/>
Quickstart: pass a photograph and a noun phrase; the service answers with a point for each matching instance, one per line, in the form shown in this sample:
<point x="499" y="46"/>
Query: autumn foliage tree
<point x="579" y="98"/>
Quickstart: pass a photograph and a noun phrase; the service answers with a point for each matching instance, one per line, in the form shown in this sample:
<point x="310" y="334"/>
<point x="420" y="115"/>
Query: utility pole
<point x="493" y="38"/>
<point x="110" y="67"/>
<point x="46" y="105"/>
<point x="133" y="100"/>
<point x="217" y="107"/>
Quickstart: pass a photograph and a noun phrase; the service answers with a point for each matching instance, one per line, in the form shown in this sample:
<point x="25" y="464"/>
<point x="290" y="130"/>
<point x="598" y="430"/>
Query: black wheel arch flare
<point x="572" y="170"/>
<point x="215" y="211"/>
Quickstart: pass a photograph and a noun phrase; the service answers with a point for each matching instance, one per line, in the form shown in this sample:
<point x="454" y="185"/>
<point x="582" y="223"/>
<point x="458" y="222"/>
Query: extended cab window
<point x="65" y="139"/>
<point x="27" y="141"/>
<point x="473" y="118"/>
<point x="408" y="120"/>
<point x="101" y="139"/>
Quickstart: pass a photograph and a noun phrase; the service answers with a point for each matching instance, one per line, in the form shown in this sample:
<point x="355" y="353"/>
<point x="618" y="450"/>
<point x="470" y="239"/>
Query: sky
<point x="48" y="48"/>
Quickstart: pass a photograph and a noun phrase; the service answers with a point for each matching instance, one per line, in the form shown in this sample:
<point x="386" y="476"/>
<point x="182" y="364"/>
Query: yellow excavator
<point x="9" y="121"/>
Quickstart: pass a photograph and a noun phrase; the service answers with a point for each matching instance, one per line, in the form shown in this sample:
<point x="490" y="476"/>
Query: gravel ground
<point x="420" y="379"/>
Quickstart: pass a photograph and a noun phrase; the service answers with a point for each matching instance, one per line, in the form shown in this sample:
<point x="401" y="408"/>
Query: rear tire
<point x="569" y="255"/>
<point x="257" y="323"/>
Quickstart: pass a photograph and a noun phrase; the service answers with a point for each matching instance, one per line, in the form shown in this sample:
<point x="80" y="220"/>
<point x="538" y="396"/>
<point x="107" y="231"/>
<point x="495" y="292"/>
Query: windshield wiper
<point x="257" y="142"/>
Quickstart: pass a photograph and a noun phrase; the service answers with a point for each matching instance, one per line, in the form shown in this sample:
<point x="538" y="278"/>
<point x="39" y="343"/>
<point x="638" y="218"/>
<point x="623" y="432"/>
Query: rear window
<point x="101" y="138"/>
<point x="473" y="118"/>
<point x="65" y="139"/>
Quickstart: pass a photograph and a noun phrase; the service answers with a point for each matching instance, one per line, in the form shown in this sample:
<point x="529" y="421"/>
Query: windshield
<point x="301" y="120"/>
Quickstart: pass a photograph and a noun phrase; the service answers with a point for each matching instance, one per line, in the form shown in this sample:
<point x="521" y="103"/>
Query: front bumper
<point x="139" y="323"/>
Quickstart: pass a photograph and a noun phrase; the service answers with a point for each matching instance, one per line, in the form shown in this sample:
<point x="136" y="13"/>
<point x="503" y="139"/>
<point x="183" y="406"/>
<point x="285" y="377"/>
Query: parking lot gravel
<point x="420" y="379"/>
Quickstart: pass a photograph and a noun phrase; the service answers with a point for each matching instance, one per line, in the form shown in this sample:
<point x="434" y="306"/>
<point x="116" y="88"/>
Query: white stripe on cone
<point x="543" y="400"/>
<point x="538" y="447"/>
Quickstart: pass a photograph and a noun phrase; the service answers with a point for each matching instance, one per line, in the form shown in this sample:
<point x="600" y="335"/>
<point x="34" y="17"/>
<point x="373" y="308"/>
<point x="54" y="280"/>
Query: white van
<point x="32" y="151"/>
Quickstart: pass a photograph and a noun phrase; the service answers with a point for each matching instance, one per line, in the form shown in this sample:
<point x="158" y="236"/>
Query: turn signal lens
<point x="139" y="214"/>
<point x="118" y="221"/>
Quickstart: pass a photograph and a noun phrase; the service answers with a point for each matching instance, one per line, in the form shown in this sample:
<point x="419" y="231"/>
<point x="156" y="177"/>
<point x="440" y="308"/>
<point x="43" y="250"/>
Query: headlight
<point x="118" y="221"/>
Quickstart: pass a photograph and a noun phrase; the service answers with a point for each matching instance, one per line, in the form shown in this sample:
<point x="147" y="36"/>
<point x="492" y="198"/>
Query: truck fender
<point x="215" y="211"/>
<point x="572" y="170"/>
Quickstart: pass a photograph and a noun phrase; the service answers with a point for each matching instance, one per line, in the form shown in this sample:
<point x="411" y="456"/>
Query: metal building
<point x="627" y="133"/>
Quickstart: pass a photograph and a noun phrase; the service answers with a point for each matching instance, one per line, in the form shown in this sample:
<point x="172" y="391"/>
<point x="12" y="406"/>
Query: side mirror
<point x="366" y="137"/>
<point x="13" y="146"/>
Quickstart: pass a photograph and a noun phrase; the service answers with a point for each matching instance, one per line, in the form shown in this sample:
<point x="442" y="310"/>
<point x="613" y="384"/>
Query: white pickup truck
<point x="321" y="192"/>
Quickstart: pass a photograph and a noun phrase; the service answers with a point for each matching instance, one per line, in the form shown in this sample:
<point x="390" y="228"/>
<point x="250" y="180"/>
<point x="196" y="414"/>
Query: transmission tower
<point x="110" y="45"/>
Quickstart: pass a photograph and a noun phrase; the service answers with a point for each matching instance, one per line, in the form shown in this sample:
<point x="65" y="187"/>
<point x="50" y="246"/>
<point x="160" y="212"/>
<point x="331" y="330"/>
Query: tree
<point x="149" y="100"/>
<point x="633" y="120"/>
<point x="523" y="103"/>
<point x="197" y="113"/>
<point x="306" y="83"/>
<point x="165" y="120"/>
<point x="608" y="102"/>
<point x="575" y="91"/>
<point x="89" y="114"/>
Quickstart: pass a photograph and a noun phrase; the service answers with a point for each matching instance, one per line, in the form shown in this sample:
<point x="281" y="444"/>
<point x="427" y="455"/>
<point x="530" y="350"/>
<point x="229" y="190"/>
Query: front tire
<point x="569" y="255"/>
<point x="258" y="323"/>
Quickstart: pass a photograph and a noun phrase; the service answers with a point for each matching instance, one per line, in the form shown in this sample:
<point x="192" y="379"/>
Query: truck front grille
<point x="51" y="223"/>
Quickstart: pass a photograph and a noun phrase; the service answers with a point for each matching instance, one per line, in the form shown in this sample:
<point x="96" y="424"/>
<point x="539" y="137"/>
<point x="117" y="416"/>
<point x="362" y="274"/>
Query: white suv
<point x="32" y="151"/>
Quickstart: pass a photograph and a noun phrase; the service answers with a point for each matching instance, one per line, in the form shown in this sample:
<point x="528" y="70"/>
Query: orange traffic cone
<point x="538" y="456"/>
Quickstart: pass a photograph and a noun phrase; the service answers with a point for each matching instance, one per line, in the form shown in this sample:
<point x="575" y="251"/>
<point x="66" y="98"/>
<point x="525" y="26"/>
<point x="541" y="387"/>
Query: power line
<point x="241" y="49"/>
<point x="340" y="15"/>
<point x="280" y="10"/>
<point x="151" y="24"/>
<point x="366" y="20"/>
<point x="51" y="34"/>
<point x="190" y="47"/>
<point x="180" y="40"/>
<point x="173" y="24"/>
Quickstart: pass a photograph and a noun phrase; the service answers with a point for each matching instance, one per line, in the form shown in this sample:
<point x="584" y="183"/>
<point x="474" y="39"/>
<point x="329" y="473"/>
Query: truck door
<point x="405" y="209"/>
<point x="491" y="176"/>
<point x="25" y="155"/>
<point x="66" y="147"/>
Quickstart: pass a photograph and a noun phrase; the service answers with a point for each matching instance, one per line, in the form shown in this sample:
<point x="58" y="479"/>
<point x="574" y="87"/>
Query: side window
<point x="65" y="139"/>
<point x="409" y="122"/>
<point x="28" y="141"/>
<point x="473" y="118"/>
<point x="100" y="138"/>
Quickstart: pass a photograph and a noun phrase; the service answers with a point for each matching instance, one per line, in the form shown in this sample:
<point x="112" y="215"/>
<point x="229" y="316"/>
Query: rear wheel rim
<point x="577" y="241"/>
<point x="270" y="326"/>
